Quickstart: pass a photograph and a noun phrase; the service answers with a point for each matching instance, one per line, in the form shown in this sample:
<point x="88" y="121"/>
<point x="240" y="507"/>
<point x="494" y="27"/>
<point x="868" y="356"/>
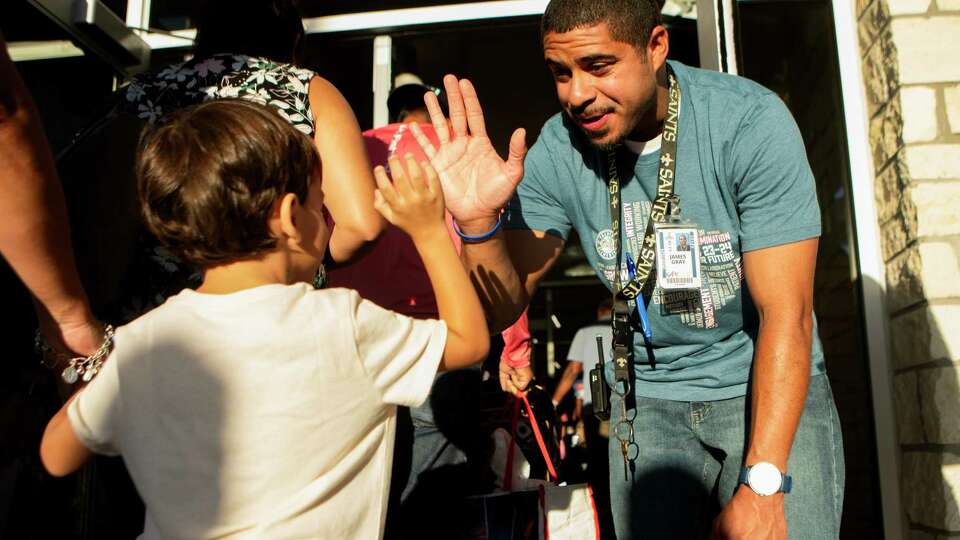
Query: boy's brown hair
<point x="209" y="176"/>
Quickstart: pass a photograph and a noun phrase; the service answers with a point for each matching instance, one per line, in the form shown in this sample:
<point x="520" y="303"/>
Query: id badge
<point x="678" y="256"/>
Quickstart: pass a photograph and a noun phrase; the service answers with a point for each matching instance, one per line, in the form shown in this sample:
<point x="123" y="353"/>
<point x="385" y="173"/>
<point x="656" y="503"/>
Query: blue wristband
<point x="480" y="237"/>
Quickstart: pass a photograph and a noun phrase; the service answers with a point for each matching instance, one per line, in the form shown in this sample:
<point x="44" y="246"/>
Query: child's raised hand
<point x="414" y="200"/>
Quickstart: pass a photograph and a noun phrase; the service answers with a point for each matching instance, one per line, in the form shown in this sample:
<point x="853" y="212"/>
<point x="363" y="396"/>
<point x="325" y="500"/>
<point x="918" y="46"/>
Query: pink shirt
<point x="391" y="273"/>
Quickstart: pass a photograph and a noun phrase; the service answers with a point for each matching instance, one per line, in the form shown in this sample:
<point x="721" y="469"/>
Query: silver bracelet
<point x="79" y="367"/>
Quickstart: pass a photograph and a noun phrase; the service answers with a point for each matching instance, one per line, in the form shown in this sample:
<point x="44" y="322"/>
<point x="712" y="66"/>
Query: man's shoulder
<point x="707" y="84"/>
<point x="730" y="106"/>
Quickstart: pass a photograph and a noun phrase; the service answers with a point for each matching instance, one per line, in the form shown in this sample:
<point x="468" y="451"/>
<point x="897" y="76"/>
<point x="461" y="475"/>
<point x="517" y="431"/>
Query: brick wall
<point x="911" y="61"/>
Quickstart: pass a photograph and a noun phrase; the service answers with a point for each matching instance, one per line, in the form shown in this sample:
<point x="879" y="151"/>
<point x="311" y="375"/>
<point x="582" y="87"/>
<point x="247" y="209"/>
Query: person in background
<point x="582" y="355"/>
<point x="35" y="240"/>
<point x="248" y="49"/>
<point x="581" y="358"/>
<point x="264" y="408"/>
<point x="439" y="453"/>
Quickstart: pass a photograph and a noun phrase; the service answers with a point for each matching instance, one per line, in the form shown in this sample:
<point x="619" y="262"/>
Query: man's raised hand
<point x="476" y="183"/>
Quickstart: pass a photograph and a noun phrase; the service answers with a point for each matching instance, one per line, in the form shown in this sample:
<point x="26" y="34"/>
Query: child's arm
<point x="414" y="202"/>
<point x="60" y="450"/>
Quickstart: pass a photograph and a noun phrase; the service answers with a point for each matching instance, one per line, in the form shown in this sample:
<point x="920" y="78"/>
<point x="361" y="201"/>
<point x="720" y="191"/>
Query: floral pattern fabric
<point x="278" y="85"/>
<point x="158" y="274"/>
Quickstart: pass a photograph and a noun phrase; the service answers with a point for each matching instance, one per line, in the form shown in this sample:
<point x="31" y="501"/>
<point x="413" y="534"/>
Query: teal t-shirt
<point x="742" y="177"/>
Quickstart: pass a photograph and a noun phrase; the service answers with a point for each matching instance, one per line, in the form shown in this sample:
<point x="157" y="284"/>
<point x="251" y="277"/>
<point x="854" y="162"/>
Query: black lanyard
<point x="622" y="333"/>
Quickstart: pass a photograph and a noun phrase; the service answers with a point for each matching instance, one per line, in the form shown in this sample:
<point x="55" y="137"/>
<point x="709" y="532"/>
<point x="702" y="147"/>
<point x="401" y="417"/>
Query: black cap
<point x="409" y="97"/>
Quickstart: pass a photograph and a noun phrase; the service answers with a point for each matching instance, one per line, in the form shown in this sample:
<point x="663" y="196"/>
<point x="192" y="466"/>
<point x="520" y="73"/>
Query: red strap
<point x="508" y="468"/>
<point x="540" y="443"/>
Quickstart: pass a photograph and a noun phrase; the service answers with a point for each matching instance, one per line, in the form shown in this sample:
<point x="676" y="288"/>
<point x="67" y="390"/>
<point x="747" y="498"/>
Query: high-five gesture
<point x="413" y="201"/>
<point x="476" y="182"/>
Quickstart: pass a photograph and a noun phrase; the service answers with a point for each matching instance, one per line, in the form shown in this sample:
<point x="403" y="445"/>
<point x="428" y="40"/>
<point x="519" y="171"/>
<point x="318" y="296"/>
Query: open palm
<point x="476" y="182"/>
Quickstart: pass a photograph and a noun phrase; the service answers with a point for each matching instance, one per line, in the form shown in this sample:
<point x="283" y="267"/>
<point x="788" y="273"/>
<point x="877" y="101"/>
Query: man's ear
<point x="658" y="47"/>
<point x="284" y="220"/>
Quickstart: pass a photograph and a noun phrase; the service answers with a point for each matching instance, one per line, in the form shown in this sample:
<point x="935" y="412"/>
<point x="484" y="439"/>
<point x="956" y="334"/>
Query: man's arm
<point x="570" y="374"/>
<point x="477" y="184"/>
<point x="780" y="280"/>
<point x="505" y="271"/>
<point x="35" y="237"/>
<point x="507" y="268"/>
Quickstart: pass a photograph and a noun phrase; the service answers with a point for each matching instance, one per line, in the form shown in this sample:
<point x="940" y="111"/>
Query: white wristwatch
<point x="765" y="479"/>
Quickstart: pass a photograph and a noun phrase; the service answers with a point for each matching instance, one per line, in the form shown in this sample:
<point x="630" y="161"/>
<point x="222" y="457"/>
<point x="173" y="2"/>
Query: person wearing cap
<point x="443" y="454"/>
<point x="374" y="275"/>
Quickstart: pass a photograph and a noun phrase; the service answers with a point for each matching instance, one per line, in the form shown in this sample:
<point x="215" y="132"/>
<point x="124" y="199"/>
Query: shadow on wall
<point x="926" y="389"/>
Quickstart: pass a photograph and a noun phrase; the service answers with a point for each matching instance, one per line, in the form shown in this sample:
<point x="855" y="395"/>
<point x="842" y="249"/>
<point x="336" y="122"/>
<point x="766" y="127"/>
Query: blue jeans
<point x="439" y="458"/>
<point x="687" y="459"/>
<point x="432" y="448"/>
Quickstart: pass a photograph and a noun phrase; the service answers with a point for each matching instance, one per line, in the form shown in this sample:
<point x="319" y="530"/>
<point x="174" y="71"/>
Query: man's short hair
<point x="629" y="21"/>
<point x="209" y="177"/>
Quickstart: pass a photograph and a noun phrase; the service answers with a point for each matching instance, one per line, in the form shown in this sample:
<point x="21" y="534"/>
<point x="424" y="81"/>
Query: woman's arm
<point x="348" y="183"/>
<point x="35" y="236"/>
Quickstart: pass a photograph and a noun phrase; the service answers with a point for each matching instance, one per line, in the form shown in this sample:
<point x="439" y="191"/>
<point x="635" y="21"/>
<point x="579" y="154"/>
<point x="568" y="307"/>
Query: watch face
<point x="764" y="478"/>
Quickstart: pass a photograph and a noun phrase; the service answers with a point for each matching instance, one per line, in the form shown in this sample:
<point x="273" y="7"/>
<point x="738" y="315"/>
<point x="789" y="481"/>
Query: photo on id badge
<point x="678" y="258"/>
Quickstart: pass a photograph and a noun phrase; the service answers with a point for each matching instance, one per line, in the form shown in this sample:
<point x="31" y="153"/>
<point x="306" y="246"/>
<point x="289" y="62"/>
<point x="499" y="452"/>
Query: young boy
<point x="255" y="406"/>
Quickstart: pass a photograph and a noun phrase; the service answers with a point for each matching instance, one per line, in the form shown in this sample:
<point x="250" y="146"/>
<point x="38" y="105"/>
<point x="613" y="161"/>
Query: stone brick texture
<point x="912" y="83"/>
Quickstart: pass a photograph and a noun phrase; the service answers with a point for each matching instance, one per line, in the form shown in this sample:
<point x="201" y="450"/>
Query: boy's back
<point x="266" y="412"/>
<point x="255" y="407"/>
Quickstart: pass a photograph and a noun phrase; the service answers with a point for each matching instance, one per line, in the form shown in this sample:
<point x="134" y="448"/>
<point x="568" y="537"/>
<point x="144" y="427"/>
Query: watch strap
<point x="786" y="481"/>
<point x="787" y="484"/>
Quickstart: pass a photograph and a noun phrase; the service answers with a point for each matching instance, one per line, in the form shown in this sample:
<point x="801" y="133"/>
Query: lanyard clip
<point x="622" y="340"/>
<point x="674" y="205"/>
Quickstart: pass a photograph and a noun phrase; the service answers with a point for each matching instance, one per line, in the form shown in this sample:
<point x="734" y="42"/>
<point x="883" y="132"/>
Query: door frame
<point x="872" y="271"/>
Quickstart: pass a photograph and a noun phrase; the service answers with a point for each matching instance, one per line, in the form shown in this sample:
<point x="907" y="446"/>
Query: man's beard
<point x="604" y="146"/>
<point x="607" y="145"/>
<point x="631" y="125"/>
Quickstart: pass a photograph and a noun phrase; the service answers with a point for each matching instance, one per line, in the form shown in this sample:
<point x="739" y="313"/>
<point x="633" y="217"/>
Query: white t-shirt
<point x="643" y="148"/>
<point x="583" y="349"/>
<point x="267" y="413"/>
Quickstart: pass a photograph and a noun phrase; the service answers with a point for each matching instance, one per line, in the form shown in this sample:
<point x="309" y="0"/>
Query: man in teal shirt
<point x="728" y="398"/>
